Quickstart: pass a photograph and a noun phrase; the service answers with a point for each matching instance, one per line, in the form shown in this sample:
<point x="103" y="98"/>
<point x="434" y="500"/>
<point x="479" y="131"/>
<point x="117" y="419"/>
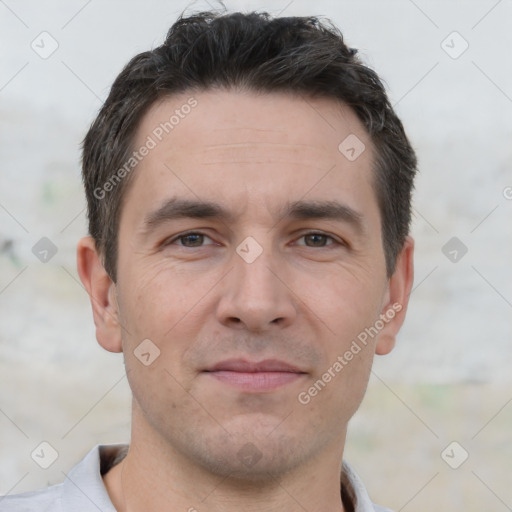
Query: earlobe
<point x="101" y="290"/>
<point x="397" y="299"/>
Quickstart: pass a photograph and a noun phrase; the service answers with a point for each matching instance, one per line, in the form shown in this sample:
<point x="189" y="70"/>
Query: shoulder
<point x="82" y="490"/>
<point x="47" y="500"/>
<point x="362" y="499"/>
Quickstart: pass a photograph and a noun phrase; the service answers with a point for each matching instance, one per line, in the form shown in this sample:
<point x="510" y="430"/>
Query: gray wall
<point x="57" y="385"/>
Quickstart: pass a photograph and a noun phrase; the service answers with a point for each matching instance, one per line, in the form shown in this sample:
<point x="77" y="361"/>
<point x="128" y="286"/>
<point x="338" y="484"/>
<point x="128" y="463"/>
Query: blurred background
<point x="435" y="429"/>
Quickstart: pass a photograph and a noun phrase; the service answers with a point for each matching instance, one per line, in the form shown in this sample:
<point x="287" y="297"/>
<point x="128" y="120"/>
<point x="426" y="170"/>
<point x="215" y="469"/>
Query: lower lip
<point x="256" y="381"/>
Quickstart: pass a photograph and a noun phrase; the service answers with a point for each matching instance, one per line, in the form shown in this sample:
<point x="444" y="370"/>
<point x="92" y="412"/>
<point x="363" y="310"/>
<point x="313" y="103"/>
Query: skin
<point x="303" y="300"/>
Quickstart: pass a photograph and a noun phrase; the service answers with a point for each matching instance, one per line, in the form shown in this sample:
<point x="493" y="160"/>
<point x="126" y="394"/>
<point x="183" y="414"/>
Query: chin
<point x="247" y="457"/>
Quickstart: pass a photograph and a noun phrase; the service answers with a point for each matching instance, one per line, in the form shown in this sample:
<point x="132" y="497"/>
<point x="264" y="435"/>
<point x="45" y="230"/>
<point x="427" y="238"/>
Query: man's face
<point x="254" y="287"/>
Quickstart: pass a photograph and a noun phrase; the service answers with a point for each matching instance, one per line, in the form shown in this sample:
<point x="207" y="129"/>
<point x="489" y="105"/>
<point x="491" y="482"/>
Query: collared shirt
<point x="83" y="489"/>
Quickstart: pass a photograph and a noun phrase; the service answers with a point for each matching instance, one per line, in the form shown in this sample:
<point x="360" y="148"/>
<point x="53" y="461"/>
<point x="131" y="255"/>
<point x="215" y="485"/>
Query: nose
<point x="257" y="295"/>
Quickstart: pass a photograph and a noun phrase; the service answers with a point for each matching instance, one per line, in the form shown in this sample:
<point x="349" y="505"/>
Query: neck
<point x="155" y="477"/>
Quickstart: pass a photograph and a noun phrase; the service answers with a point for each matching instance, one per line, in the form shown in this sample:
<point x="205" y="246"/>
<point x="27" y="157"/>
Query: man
<point x="248" y="189"/>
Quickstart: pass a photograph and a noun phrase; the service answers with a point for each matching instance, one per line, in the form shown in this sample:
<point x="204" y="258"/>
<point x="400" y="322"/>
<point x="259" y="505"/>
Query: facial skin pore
<point x="222" y="440"/>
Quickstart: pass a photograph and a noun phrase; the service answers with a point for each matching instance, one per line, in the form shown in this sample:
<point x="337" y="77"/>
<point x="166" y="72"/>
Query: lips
<point x="243" y="366"/>
<point x="263" y="376"/>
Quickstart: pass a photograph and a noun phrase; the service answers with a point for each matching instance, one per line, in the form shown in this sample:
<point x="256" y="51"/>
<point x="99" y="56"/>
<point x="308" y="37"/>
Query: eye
<point x="195" y="239"/>
<point x="190" y="239"/>
<point x="318" y="239"/>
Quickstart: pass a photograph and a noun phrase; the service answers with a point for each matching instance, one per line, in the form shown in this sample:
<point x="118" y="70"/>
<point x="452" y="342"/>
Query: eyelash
<point x="186" y="234"/>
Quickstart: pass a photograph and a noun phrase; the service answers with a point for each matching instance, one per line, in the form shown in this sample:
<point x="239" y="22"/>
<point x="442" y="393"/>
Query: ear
<point x="397" y="298"/>
<point x="102" y="294"/>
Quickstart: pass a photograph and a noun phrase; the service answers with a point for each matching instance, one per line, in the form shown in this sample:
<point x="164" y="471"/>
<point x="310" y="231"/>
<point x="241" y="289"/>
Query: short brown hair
<point x="260" y="53"/>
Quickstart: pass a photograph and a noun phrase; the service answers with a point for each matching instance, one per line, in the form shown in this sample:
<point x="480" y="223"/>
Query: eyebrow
<point x="177" y="208"/>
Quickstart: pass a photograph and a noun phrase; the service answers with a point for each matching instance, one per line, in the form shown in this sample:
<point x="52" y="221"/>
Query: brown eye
<point x="317" y="240"/>
<point x="194" y="239"/>
<point x="191" y="240"/>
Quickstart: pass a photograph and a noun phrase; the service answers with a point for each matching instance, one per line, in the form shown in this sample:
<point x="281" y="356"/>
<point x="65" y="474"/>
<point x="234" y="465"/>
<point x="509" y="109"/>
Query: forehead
<point x="205" y="118"/>
<point x="245" y="147"/>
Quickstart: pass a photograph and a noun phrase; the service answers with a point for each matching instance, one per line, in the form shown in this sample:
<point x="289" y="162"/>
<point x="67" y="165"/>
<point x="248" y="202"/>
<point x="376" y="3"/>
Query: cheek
<point x="349" y="300"/>
<point x="348" y="307"/>
<point x="156" y="298"/>
<point x="156" y="307"/>
<point x="164" y="305"/>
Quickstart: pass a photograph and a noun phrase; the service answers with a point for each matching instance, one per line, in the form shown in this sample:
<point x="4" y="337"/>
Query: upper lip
<point x="244" y="366"/>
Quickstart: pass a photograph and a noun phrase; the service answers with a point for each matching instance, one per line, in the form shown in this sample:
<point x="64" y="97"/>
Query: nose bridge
<point x="254" y="266"/>
<point x="254" y="293"/>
